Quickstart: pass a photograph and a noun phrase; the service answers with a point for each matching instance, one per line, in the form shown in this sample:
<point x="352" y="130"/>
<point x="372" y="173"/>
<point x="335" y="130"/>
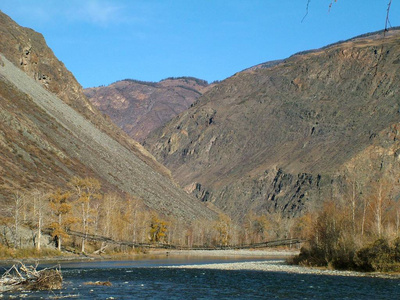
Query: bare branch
<point x="387" y="16"/>
<point x="308" y="3"/>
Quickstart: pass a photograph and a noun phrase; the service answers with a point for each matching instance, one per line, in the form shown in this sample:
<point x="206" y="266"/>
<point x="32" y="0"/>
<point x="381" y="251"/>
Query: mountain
<point x="49" y="132"/>
<point x="282" y="136"/>
<point x="140" y="107"/>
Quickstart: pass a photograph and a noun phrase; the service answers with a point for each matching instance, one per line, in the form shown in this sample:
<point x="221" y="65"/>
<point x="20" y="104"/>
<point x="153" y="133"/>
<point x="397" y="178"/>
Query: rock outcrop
<point x="279" y="136"/>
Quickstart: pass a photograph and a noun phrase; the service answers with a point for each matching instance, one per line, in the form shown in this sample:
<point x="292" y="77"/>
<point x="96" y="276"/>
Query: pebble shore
<point x="275" y="263"/>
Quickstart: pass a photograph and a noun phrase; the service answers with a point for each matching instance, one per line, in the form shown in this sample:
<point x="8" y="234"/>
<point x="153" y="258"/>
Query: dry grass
<point x="10" y="253"/>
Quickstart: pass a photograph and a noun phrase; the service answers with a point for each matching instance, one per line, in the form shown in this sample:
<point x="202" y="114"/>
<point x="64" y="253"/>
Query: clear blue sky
<point x="102" y="41"/>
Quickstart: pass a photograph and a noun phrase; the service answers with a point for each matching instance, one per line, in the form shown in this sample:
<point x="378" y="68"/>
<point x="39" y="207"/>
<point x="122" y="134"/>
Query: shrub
<point x="379" y="256"/>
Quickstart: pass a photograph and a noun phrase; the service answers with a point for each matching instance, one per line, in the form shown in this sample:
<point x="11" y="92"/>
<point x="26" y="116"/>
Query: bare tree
<point x="19" y="203"/>
<point x="87" y="190"/>
<point x="387" y="21"/>
<point x="40" y="203"/>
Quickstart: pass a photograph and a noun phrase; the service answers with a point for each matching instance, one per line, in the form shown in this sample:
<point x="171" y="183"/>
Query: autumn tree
<point x="158" y="229"/>
<point x="223" y="228"/>
<point x="87" y="191"/>
<point x="254" y="228"/>
<point x="380" y="204"/>
<point x="61" y="209"/>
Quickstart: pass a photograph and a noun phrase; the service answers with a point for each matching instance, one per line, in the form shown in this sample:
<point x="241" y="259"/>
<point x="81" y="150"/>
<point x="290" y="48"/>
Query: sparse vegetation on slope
<point x="275" y="139"/>
<point x="140" y="107"/>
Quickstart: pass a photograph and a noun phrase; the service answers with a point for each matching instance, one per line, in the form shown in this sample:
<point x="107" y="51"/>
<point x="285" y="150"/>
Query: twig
<point x="308" y="3"/>
<point x="387" y="17"/>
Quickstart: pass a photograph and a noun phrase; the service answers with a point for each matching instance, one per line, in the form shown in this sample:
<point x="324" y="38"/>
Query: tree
<point x="109" y="207"/>
<point x="158" y="229"/>
<point x="61" y="208"/>
<point x="380" y="203"/>
<point x="256" y="228"/>
<point x="223" y="226"/>
<point x="40" y="205"/>
<point x="87" y="190"/>
<point x="19" y="203"/>
<point x="387" y="21"/>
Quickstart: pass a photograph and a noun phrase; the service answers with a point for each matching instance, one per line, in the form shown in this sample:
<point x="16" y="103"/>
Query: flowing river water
<point x="209" y="278"/>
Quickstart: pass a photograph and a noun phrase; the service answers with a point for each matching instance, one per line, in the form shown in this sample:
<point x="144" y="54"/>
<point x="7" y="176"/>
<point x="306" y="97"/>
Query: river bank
<point x="261" y="253"/>
<point x="266" y="260"/>
<point x="275" y="262"/>
<point x="267" y="253"/>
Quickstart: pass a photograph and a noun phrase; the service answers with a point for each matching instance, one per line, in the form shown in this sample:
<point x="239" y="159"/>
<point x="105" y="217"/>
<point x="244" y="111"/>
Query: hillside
<point x="140" y="107"/>
<point x="49" y="133"/>
<point x="277" y="137"/>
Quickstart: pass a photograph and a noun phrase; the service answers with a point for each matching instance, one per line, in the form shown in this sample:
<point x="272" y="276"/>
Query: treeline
<point x="358" y="231"/>
<point x="187" y="79"/>
<point x="84" y="208"/>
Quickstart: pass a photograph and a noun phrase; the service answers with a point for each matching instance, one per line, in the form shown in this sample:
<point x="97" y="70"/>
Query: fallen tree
<point x="27" y="278"/>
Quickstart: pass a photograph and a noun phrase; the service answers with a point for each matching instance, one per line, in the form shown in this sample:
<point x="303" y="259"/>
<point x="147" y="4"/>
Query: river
<point x="168" y="278"/>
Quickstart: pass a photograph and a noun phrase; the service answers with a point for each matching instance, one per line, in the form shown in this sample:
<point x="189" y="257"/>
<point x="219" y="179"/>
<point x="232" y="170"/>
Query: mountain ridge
<point x="139" y="107"/>
<point x="46" y="141"/>
<point x="265" y="139"/>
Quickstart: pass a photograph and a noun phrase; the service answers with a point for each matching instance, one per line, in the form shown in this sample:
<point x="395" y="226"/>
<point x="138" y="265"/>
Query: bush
<point x="311" y="257"/>
<point x="379" y="256"/>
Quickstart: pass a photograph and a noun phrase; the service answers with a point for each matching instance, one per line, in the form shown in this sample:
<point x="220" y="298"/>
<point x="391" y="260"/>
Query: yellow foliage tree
<point x="158" y="229"/>
<point x="223" y="226"/>
<point x="60" y="208"/>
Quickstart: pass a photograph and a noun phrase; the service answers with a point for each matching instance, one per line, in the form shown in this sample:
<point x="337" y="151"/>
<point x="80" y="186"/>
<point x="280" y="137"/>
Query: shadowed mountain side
<point x="45" y="141"/>
<point x="272" y="138"/>
<point x="140" y="107"/>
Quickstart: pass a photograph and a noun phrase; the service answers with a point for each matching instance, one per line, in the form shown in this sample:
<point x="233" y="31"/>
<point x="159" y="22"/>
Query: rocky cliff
<point x="278" y="136"/>
<point x="49" y="132"/>
<point x="141" y="107"/>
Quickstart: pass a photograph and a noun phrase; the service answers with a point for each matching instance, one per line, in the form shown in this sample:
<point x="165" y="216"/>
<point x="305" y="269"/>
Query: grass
<point x="10" y="253"/>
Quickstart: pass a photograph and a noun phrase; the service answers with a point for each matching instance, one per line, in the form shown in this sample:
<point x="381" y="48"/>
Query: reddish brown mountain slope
<point x="140" y="107"/>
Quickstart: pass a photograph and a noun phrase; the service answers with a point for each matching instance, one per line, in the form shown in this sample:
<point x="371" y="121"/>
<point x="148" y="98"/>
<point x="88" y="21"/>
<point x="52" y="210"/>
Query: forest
<point x="357" y="229"/>
<point x="121" y="223"/>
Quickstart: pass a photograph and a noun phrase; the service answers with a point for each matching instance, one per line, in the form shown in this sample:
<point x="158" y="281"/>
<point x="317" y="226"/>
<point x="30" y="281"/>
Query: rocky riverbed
<point x="276" y="263"/>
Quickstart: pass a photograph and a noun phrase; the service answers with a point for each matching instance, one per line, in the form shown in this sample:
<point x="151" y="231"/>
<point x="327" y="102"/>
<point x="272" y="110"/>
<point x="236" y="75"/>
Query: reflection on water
<point x="149" y="279"/>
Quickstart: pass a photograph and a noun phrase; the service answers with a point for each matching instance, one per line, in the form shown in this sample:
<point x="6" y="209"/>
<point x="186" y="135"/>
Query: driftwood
<point x="101" y="250"/>
<point x="27" y="278"/>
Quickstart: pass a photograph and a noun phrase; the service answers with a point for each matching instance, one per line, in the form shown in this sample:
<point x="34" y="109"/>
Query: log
<point x="28" y="278"/>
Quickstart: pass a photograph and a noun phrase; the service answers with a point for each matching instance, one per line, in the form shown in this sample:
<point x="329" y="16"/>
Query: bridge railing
<point x="266" y="244"/>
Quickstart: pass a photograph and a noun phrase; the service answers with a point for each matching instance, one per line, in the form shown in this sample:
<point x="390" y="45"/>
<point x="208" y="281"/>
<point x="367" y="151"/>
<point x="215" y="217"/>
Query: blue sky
<point x="102" y="41"/>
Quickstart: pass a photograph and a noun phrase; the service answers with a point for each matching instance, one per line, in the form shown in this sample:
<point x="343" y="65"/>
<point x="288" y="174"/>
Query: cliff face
<point x="275" y="137"/>
<point x="49" y="133"/>
<point x="28" y="50"/>
<point x="140" y="107"/>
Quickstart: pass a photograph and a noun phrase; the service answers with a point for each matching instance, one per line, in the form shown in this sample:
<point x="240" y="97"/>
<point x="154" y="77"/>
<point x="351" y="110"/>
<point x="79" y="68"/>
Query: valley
<point x="304" y="148"/>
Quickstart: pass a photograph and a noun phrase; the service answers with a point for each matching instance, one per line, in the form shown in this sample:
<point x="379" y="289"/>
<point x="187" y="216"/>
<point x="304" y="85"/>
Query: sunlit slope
<point x="272" y="138"/>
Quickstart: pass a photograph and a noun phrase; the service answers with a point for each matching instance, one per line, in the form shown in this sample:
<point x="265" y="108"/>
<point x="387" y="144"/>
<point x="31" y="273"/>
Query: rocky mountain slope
<point x="276" y="137"/>
<point x="49" y="133"/>
<point x="140" y="107"/>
